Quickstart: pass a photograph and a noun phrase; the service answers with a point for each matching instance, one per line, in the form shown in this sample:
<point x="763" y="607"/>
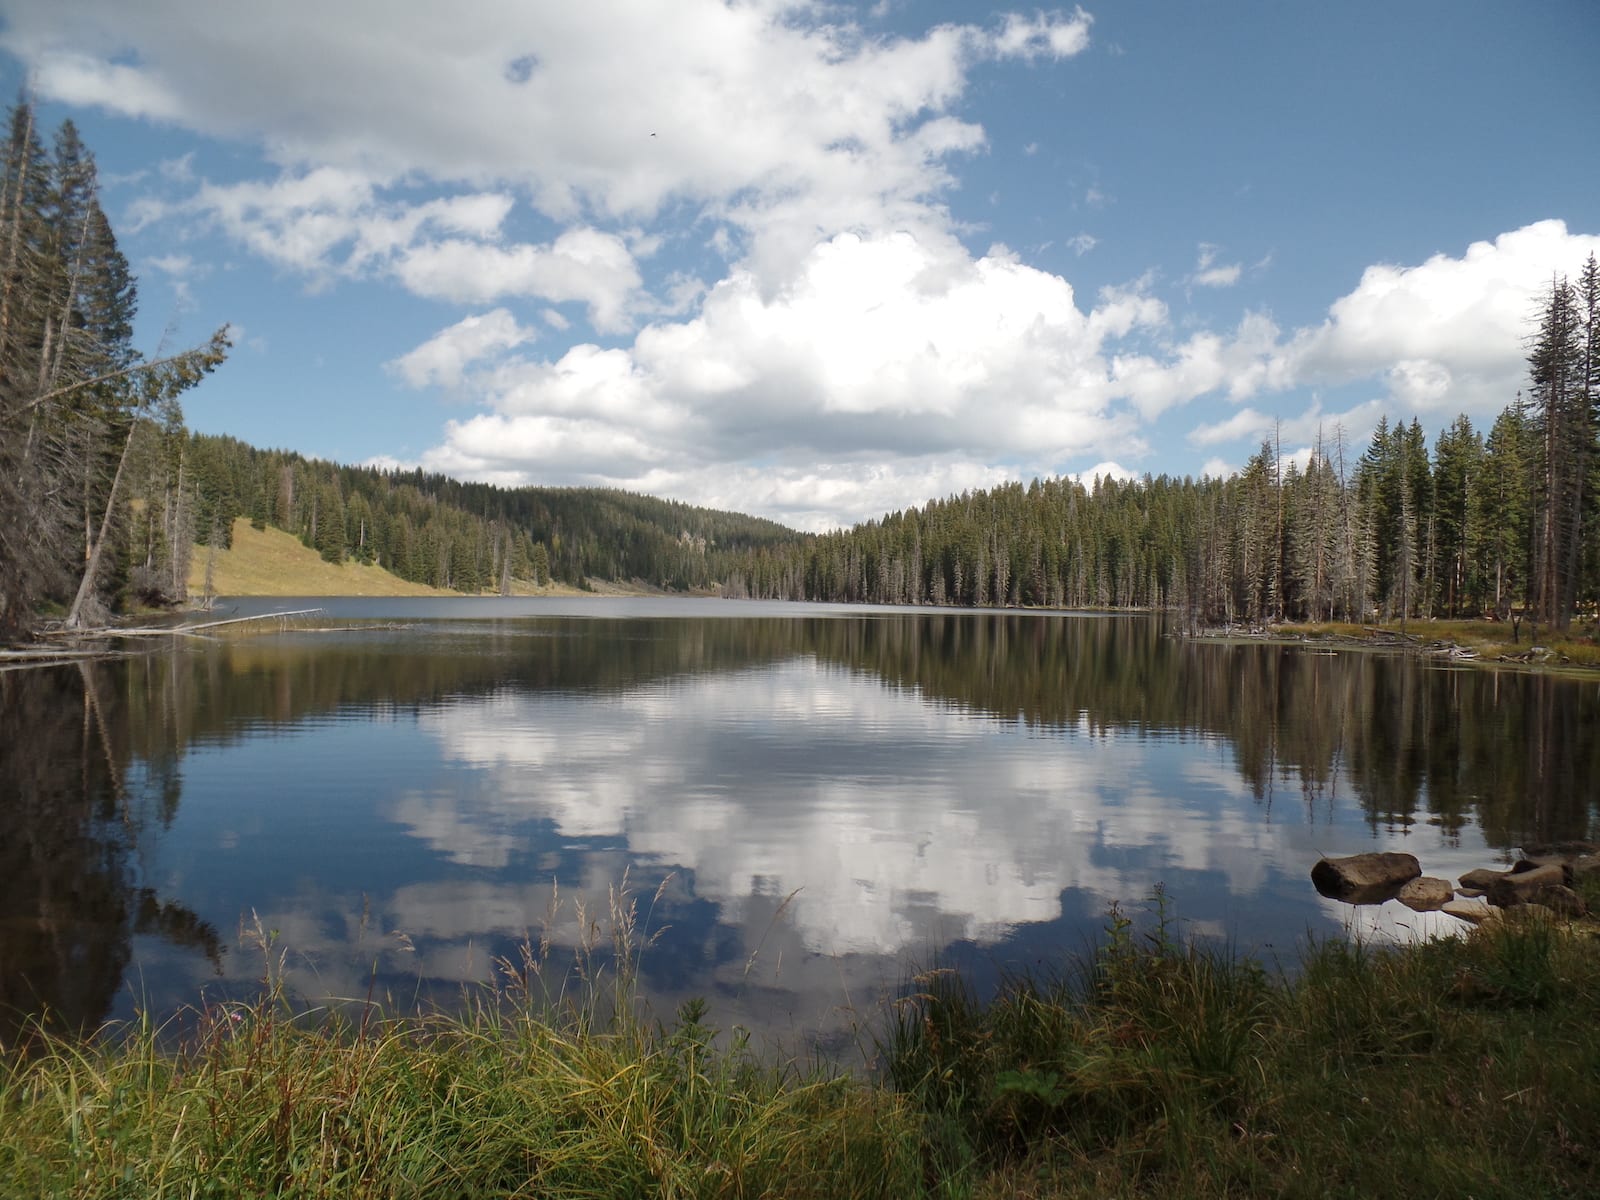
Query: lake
<point x="800" y="802"/>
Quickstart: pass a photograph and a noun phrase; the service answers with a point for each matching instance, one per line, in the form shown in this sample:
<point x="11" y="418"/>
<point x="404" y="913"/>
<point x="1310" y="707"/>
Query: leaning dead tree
<point x="160" y="381"/>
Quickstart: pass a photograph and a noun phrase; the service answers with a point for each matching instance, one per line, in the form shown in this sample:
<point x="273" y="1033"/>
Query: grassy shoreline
<point x="1477" y="643"/>
<point x="1448" y="1068"/>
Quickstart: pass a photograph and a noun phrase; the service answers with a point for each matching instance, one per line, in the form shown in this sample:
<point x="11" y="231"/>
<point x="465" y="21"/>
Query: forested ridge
<point x="470" y="537"/>
<point x="1492" y="523"/>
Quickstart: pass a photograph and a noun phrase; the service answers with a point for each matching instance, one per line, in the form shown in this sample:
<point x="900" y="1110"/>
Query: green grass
<point x="270" y="562"/>
<point x="1462" y="1067"/>
<point x="1453" y="1068"/>
<point x="535" y="1088"/>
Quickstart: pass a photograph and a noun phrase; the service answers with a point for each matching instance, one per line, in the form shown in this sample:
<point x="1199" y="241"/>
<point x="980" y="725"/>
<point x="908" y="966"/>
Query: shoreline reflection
<point x="800" y="805"/>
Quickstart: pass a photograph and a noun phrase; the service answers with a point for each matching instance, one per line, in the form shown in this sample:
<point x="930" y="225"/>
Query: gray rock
<point x="1585" y="864"/>
<point x="1560" y="899"/>
<point x="1365" y="878"/>
<point x="1426" y="894"/>
<point x="1523" y="865"/>
<point x="1475" y="911"/>
<point x="1480" y="879"/>
<point x="1519" y="886"/>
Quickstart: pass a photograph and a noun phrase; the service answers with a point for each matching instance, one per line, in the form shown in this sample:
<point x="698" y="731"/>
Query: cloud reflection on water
<point x="899" y="821"/>
<point x="976" y="788"/>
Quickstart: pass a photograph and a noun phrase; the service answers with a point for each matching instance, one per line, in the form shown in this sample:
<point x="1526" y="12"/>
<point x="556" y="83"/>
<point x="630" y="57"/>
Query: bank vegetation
<point x="1151" y="1068"/>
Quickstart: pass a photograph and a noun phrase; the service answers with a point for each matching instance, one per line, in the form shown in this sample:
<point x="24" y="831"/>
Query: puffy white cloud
<point x="822" y="496"/>
<point x="849" y="344"/>
<point x="882" y="356"/>
<point x="612" y="108"/>
<point x="582" y="264"/>
<point x="1052" y="35"/>
<point x="1246" y="423"/>
<point x="893" y="368"/>
<point x="1105" y="470"/>
<point x="82" y="79"/>
<point x="778" y="121"/>
<point x="1445" y="335"/>
<point x="1239" y="365"/>
<point x="440" y="361"/>
<point x="1442" y="337"/>
<point x="330" y="223"/>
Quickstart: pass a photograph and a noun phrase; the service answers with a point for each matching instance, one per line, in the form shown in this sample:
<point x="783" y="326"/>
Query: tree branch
<point x="209" y="357"/>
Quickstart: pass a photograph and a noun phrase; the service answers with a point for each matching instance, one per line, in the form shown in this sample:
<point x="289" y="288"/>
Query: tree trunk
<point x="97" y="551"/>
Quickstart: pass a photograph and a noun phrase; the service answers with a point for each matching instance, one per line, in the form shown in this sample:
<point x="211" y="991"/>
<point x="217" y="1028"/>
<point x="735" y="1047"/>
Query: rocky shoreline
<point x="1550" y="877"/>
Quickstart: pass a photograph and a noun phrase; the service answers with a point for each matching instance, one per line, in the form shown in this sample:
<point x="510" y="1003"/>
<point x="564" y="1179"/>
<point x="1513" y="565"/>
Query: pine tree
<point x="330" y="524"/>
<point x="1458" y="459"/>
<point x="1501" y="510"/>
<point x="36" y="517"/>
<point x="1585" y="568"/>
<point x="1562" y="424"/>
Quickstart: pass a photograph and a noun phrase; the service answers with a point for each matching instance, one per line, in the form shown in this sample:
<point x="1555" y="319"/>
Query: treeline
<point x="470" y="537"/>
<point x="85" y="422"/>
<point x="1496" y="524"/>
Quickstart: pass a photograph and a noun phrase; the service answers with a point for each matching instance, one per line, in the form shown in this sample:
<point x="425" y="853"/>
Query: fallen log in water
<point x="186" y="630"/>
<point x="91" y="644"/>
<point x="127" y="631"/>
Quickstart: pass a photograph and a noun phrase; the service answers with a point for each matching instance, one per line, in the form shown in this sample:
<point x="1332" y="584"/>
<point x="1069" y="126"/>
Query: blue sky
<point x="819" y="261"/>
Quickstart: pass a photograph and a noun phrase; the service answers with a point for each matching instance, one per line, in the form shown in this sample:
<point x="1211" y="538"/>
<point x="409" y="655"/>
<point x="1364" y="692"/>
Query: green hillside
<point x="466" y="537"/>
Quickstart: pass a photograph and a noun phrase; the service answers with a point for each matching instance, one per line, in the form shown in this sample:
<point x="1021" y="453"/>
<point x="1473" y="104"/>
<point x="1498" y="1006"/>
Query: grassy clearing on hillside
<point x="271" y="562"/>
<point x="1452" y="1068"/>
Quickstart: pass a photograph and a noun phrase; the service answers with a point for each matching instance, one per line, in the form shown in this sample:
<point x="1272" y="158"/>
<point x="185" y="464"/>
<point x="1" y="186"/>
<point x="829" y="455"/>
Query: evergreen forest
<point x="88" y="426"/>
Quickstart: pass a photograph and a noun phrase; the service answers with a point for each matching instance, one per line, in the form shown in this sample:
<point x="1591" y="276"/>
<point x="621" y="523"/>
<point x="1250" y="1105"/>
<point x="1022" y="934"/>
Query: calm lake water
<point x="802" y="800"/>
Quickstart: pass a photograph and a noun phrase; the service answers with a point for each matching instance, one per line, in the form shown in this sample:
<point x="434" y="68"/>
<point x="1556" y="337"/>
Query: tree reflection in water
<point x="71" y="898"/>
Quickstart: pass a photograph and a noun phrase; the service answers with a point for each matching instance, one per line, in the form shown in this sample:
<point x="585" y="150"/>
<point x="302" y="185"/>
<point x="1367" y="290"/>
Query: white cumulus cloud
<point x="883" y="348"/>
<point x="441" y="360"/>
<point x="1446" y="334"/>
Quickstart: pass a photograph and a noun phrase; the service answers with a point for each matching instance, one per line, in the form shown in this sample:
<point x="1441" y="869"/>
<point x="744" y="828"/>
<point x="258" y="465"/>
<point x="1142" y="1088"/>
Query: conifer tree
<point x="73" y="391"/>
<point x="1562" y="424"/>
<point x="1502" y="508"/>
<point x="1458" y="459"/>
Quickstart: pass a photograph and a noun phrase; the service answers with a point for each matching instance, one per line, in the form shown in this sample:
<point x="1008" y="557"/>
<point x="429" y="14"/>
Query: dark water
<point x="800" y="800"/>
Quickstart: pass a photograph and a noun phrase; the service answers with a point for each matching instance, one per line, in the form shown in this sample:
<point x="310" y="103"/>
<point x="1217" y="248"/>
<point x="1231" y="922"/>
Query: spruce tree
<point x="1501" y="509"/>
<point x="1564" y="439"/>
<point x="1458" y="459"/>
